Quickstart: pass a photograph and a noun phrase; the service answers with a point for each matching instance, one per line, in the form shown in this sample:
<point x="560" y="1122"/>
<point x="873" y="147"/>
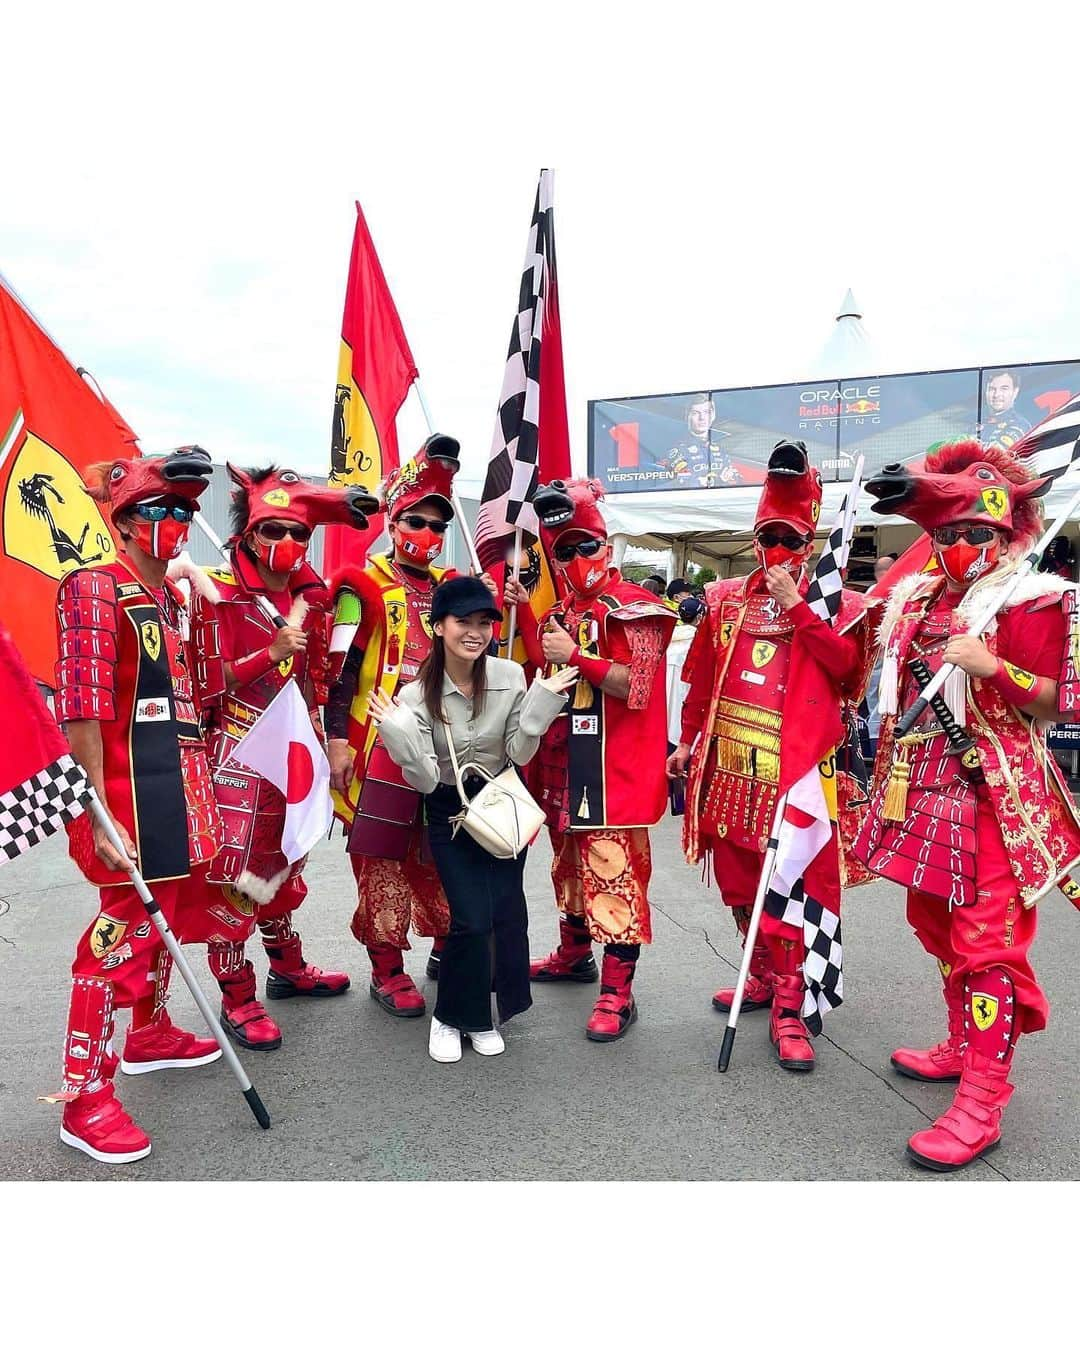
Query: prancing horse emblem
<point x="762" y="654"/>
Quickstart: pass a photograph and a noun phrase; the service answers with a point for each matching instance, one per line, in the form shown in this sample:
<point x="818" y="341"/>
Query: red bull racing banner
<point x="52" y="425"/>
<point x="722" y="437"/>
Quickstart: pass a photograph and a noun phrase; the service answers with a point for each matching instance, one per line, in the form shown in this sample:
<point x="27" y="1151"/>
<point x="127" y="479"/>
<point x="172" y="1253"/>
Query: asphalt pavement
<point x="354" y="1096"/>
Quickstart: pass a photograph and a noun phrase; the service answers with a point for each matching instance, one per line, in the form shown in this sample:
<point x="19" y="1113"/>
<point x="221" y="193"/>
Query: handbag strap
<point x="454" y="762"/>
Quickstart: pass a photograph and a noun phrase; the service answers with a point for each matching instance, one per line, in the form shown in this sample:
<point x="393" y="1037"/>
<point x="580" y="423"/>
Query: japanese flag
<point x="282" y="746"/>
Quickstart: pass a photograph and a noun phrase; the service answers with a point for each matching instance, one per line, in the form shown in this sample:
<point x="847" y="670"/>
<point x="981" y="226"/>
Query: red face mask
<point x="283" y="557"/>
<point x="780" y="557"/>
<point x="162" y="539"/>
<point x="585" y="576"/>
<point x="420" y="546"/>
<point x="965" y="563"/>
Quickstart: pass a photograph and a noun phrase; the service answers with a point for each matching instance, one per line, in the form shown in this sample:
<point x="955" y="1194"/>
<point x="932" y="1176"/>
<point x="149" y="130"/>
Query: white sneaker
<point x="444" y="1043"/>
<point x="486" y="1042"/>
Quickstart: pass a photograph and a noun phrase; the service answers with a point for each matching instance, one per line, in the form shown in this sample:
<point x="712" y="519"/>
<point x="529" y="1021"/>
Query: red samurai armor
<point x="976" y="837"/>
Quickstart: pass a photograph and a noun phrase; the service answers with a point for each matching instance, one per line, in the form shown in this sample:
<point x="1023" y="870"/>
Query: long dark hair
<point x="431" y="674"/>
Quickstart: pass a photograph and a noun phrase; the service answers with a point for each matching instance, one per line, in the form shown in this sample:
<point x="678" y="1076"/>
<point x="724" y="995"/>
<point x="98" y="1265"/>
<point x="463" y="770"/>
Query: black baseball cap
<point x="462" y="596"/>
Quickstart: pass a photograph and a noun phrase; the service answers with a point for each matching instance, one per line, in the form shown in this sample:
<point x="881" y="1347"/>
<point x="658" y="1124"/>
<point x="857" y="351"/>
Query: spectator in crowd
<point x="1059" y="559"/>
<point x="678" y="590"/>
<point x="654" y="585"/>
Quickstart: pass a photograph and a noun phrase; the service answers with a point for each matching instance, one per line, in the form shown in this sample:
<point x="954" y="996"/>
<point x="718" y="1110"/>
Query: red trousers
<point x="737" y="872"/>
<point x="122" y="945"/>
<point x="393" y="896"/>
<point x="995" y="931"/>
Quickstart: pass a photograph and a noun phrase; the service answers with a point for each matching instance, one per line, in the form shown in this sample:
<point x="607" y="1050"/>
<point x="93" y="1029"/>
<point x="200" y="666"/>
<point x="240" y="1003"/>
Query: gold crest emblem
<point x="984" y="1010"/>
<point x="995" y="502"/>
<point x="284" y="667"/>
<point x="726" y="630"/>
<point x="425" y="623"/>
<point x="240" y="900"/>
<point x="49" y="523"/>
<point x="815" y="511"/>
<point x="151" y="638"/>
<point x="762" y="653"/>
<point x="277" y="497"/>
<point x="944" y="967"/>
<point x="1022" y="678"/>
<point x="1069" y="888"/>
<point x="105" y="935"/>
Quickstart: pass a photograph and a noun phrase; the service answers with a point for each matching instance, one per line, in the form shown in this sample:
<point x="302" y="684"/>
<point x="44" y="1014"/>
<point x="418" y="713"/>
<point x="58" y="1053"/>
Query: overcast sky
<point x="177" y="185"/>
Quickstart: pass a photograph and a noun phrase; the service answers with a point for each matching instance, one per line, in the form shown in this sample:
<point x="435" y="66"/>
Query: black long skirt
<point x="487" y="948"/>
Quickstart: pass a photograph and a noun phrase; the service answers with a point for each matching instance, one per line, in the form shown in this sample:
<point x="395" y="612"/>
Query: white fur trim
<point x="298" y="612"/>
<point x="185" y="568"/>
<point x="261" y="890"/>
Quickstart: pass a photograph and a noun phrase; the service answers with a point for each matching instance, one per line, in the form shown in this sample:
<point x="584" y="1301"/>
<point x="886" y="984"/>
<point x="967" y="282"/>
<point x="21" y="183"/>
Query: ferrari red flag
<point x="375" y="370"/>
<point x="52" y="425"/>
<point x="41" y="786"/>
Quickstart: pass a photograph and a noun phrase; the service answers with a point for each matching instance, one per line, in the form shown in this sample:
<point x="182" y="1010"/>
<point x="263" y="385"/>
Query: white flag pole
<point x="157" y="918"/>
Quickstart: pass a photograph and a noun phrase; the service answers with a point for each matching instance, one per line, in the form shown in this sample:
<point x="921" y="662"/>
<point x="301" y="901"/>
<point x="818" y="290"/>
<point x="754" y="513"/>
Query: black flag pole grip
<point x="725" y="1049"/>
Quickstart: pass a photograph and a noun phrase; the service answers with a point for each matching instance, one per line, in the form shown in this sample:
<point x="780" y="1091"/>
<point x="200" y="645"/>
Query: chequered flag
<point x="37" y="807"/>
<point x="824" y="593"/>
<point x="513" y="469"/>
<point x="1052" y="447"/>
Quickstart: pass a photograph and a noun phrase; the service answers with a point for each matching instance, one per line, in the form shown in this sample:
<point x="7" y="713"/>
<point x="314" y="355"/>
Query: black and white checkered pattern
<point x="823" y="595"/>
<point x="823" y="954"/>
<point x="511" y="481"/>
<point x="39" y="806"/>
<point x="1053" y="446"/>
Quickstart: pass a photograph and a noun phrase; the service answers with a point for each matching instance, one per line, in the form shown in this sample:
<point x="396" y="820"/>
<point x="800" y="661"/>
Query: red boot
<point x="972" y="1124"/>
<point x="758" y="990"/>
<point x="94" y="1121"/>
<point x="615" y="1009"/>
<point x="572" y="959"/>
<point x="943" y="1062"/>
<point x="242" y="1015"/>
<point x="290" y="975"/>
<point x="391" y="988"/>
<point x="153" y="1042"/>
<point x="787" y="1031"/>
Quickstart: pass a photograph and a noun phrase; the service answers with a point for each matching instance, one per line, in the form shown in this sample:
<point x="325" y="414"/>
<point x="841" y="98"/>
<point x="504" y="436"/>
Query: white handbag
<point x="503" y="818"/>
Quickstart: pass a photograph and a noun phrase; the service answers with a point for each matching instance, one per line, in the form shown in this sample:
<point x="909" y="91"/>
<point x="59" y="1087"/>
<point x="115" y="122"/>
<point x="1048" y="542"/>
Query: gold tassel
<point x="895" y="805"/>
<point x="583" y="694"/>
<point x="583" y="809"/>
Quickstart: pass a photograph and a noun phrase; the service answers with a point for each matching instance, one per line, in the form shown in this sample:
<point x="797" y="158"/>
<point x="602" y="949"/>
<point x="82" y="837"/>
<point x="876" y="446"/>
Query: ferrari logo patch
<point x="995" y="502"/>
<point x="277" y="497"/>
<point x="944" y="967"/>
<point x="1069" y="888"/>
<point x="1022" y="678"/>
<point x="726" y="630"/>
<point x="48" y="522"/>
<point x="284" y="667"/>
<point x="762" y="653"/>
<point x="425" y="624"/>
<point x="815" y="511"/>
<point x="151" y="638"/>
<point x="105" y="934"/>
<point x="984" y="1010"/>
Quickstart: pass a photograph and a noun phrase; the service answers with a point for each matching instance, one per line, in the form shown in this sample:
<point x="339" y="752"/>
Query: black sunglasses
<point x="588" y="548"/>
<point x="972" y="534"/>
<point x="274" y="531"/>
<point x="158" y="511"/>
<point x="769" y="539"/>
<point x="422" y="523"/>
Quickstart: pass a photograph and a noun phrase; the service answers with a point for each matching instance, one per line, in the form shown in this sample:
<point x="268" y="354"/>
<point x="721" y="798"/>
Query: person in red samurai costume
<point x="125" y="695"/>
<point x="977" y="831"/>
<point x="381" y="635"/>
<point x="761" y="652"/>
<point x="243" y="661"/>
<point x="599" y="773"/>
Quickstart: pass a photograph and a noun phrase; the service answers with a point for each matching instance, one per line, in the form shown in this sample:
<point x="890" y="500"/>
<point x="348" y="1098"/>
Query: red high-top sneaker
<point x="615" y="1010"/>
<point x="572" y="959"/>
<point x="943" y="1062"/>
<point x="787" y="1031"/>
<point x="391" y="988"/>
<point x="758" y="990"/>
<point x="242" y="1015"/>
<point x="290" y="976"/>
<point x="161" y="1045"/>
<point x="98" y="1125"/>
<point x="972" y="1124"/>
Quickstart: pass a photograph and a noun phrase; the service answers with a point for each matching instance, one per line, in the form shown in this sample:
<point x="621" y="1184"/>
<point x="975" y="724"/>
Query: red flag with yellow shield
<point x="52" y="425"/>
<point x="375" y="370"/>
